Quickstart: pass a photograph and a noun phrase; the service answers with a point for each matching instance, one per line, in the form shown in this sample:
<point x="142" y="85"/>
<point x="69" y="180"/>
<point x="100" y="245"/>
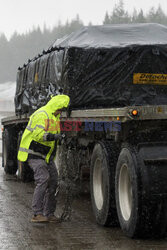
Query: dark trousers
<point x="46" y="180"/>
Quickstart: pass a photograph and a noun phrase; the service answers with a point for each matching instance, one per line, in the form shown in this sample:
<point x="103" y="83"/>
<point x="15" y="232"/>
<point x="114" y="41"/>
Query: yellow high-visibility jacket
<point x="42" y="122"/>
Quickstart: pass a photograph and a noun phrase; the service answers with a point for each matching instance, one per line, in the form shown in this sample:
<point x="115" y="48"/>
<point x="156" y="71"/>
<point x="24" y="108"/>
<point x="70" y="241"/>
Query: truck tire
<point x="9" y="152"/>
<point x="24" y="173"/>
<point x="102" y="183"/>
<point x="139" y="217"/>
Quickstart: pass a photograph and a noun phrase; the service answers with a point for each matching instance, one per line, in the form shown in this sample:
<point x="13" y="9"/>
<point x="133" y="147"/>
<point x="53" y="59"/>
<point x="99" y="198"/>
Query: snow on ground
<point x="7" y="93"/>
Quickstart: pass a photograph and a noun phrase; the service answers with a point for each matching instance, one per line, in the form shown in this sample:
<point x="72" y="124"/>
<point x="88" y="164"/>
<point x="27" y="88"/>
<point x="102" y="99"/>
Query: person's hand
<point x="63" y="139"/>
<point x="63" y="136"/>
<point x="53" y="137"/>
<point x="58" y="137"/>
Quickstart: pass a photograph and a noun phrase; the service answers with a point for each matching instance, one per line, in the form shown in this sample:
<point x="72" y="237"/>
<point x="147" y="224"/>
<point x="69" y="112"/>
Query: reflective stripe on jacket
<point x="39" y="125"/>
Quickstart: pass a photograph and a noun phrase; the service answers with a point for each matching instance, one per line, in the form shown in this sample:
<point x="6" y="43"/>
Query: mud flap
<point x="153" y="157"/>
<point x="9" y="151"/>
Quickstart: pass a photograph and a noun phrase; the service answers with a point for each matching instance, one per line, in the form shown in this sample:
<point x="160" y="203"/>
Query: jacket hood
<point x="57" y="102"/>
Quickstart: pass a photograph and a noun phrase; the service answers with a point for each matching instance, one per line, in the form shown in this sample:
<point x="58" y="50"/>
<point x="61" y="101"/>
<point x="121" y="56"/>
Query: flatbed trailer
<point x="127" y="162"/>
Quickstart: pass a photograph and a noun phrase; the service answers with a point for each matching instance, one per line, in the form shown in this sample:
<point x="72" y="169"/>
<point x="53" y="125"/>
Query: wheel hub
<point x="98" y="184"/>
<point x="125" y="192"/>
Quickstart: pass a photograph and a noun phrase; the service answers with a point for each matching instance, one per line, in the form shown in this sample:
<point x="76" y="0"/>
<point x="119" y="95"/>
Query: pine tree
<point x="140" y="17"/>
<point x="134" y="16"/>
<point x="151" y="16"/>
<point x="160" y="16"/>
<point x="119" y="15"/>
<point x="106" y="19"/>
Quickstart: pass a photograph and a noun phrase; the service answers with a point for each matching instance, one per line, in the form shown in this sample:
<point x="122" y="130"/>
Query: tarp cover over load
<point x="99" y="67"/>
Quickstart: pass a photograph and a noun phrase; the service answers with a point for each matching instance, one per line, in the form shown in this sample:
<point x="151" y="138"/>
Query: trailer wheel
<point x="102" y="183"/>
<point x="139" y="217"/>
<point x="24" y="173"/>
<point x="9" y="152"/>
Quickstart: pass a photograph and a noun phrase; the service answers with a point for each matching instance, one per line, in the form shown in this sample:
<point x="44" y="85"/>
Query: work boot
<point x="39" y="218"/>
<point x="53" y="218"/>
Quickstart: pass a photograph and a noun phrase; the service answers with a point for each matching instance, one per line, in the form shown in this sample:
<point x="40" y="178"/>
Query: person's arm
<point x="39" y="129"/>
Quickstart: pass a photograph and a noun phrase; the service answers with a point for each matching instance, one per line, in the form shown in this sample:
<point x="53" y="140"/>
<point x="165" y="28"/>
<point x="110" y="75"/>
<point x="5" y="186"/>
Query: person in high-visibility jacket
<point x="38" y="147"/>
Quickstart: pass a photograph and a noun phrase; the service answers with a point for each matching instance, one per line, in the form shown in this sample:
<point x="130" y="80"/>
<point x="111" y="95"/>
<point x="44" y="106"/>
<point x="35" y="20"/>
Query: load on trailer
<point x="98" y="67"/>
<point x="116" y="77"/>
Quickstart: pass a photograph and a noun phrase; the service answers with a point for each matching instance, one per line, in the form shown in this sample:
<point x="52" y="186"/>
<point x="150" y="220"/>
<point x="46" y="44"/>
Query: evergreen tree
<point x="134" y="16"/>
<point x="119" y="15"/>
<point x="151" y="17"/>
<point x="106" y="19"/>
<point x="6" y="58"/>
<point x="75" y="24"/>
<point x="160" y="16"/>
<point x="140" y="17"/>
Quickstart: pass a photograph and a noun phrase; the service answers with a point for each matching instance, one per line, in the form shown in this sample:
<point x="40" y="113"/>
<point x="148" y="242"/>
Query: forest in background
<point x="20" y="47"/>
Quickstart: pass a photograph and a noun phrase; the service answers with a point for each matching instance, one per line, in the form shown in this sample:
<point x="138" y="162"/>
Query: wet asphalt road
<point x="82" y="232"/>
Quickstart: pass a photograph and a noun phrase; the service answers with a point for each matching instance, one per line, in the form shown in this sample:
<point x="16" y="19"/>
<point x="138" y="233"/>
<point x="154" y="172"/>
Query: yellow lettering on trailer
<point x="147" y="78"/>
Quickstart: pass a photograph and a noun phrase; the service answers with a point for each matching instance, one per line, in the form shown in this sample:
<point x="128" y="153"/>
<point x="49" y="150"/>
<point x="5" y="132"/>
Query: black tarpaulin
<point x="95" y="66"/>
<point x="117" y="35"/>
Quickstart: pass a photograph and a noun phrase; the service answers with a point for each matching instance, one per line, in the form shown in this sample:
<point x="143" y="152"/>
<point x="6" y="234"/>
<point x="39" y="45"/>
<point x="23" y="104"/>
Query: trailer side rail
<point x="109" y="114"/>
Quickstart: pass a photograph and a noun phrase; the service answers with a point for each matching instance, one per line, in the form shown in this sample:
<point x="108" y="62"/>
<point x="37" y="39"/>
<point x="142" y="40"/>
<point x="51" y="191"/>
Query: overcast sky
<point x="21" y="15"/>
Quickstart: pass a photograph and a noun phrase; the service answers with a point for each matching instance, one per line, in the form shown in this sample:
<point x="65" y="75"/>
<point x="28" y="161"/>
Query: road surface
<point x="82" y="232"/>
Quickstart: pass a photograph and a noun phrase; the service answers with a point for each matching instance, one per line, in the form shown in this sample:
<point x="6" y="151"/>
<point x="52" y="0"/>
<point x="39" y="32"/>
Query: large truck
<point x="116" y="77"/>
